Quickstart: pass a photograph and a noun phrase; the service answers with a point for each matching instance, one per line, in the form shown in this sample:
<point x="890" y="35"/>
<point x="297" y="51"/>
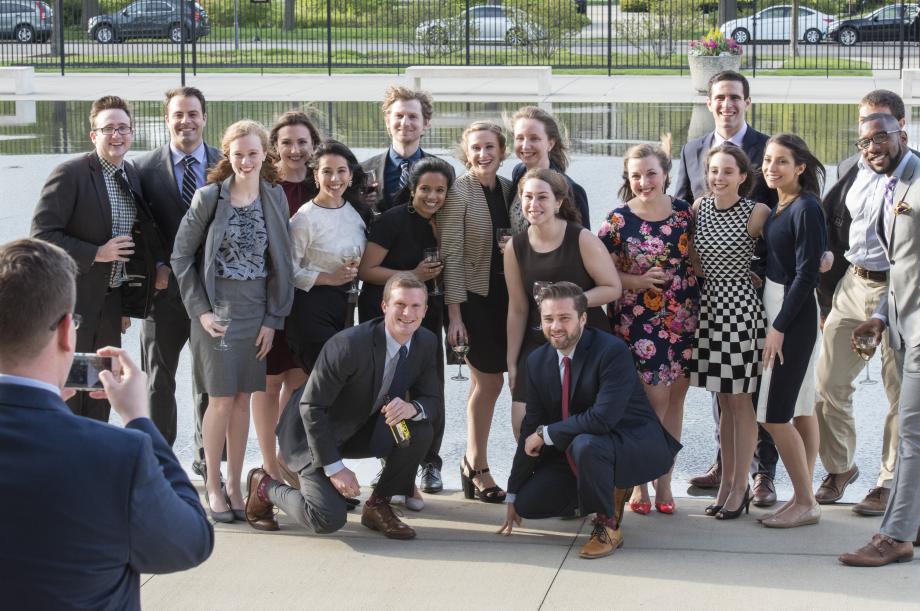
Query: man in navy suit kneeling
<point x="87" y="506"/>
<point x="589" y="429"/>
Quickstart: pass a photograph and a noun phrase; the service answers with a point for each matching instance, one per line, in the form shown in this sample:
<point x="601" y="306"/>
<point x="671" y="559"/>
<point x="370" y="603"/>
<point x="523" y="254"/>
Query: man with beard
<point x="589" y="432"/>
<point x="884" y="146"/>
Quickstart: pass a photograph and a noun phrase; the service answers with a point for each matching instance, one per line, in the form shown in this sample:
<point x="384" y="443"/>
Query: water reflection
<point x="595" y="128"/>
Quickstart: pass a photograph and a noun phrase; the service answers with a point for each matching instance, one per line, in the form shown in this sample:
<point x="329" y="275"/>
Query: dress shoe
<point x="380" y="517"/>
<point x="259" y="513"/>
<point x="431" y="479"/>
<point x="641" y="507"/>
<point x="881" y="550"/>
<point x="874" y="504"/>
<point x="225" y="517"/>
<point x="351" y="503"/>
<point x="764" y="491"/>
<point x="665" y="508"/>
<point x="415" y="502"/>
<point x="710" y="479"/>
<point x="831" y="489"/>
<point x="603" y="542"/>
<point x="732" y="514"/>
<point x="812" y="516"/>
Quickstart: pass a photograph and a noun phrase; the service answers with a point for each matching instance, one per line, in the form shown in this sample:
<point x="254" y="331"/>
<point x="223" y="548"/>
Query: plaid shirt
<point x="123" y="210"/>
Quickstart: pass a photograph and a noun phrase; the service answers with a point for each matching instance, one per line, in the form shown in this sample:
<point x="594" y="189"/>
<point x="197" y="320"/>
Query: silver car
<point x="26" y="21"/>
<point x="487" y="24"/>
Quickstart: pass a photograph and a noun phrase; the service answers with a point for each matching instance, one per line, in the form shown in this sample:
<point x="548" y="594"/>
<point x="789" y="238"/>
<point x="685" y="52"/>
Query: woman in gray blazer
<point x="475" y="292"/>
<point x="232" y="251"/>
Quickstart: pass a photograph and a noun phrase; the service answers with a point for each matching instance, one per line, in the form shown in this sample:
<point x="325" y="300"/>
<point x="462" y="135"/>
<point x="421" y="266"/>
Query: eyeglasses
<point x="77" y="319"/>
<point x="879" y="138"/>
<point x="108" y="130"/>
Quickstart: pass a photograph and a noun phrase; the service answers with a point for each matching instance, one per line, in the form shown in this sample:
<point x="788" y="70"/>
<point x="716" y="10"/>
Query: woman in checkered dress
<point x="732" y="327"/>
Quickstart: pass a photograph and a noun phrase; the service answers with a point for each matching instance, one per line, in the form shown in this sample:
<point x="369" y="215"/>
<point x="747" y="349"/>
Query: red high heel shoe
<point x="641" y="507"/>
<point x="665" y="508"/>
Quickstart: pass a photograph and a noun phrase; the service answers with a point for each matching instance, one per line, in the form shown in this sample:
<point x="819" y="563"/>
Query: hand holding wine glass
<point x="865" y="348"/>
<point x="461" y="350"/>
<point x="433" y="255"/>
<point x="351" y="258"/>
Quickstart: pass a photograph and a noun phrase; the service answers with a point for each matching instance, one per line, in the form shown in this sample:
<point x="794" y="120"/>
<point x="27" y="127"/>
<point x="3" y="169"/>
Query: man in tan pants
<point x="851" y="291"/>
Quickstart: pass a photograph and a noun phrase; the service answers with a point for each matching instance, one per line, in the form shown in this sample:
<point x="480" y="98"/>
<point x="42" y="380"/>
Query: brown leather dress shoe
<point x="710" y="479"/>
<point x="603" y="542"/>
<point x="259" y="514"/>
<point x="764" y="491"/>
<point x="881" y="550"/>
<point x="381" y="517"/>
<point x="874" y="504"/>
<point x="831" y="489"/>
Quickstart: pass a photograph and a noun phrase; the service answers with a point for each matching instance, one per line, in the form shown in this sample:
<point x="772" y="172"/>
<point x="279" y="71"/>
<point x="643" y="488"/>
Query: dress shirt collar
<point x="199" y="153"/>
<point x="397" y="159"/>
<point x="737" y="139"/>
<point x="393" y="346"/>
<point x="898" y="171"/>
<point x="108" y="168"/>
<point x="6" y="378"/>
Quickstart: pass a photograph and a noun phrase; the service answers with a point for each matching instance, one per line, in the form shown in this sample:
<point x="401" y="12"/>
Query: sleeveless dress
<point x="658" y="325"/>
<point x="732" y="329"/>
<point x="563" y="263"/>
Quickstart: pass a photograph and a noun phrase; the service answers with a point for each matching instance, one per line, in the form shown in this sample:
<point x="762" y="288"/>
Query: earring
<point x="557" y="210"/>
<point x="349" y="182"/>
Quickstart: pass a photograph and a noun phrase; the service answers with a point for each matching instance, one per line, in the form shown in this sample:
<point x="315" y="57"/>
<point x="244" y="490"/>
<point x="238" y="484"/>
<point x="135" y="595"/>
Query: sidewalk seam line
<point x="561" y="564"/>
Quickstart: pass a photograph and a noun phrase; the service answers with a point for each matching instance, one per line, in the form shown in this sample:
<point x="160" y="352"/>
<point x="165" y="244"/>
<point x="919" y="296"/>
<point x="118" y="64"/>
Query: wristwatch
<point x="539" y="431"/>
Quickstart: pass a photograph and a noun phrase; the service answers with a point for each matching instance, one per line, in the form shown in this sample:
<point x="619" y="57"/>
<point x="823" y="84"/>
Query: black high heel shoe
<point x="493" y="494"/>
<point x="712" y="510"/>
<point x="726" y="514"/>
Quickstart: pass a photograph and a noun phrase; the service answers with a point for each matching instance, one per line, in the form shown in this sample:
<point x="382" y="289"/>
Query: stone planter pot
<point x="703" y="67"/>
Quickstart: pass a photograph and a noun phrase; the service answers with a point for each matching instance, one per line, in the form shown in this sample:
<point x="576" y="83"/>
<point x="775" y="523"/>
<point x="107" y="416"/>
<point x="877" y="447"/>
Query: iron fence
<point x="601" y="36"/>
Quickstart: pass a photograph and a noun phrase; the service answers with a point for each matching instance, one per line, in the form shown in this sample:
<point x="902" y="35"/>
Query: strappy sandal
<point x="493" y="494"/>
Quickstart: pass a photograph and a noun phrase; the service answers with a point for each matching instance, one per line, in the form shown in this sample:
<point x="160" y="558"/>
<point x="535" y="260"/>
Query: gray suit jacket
<point x="340" y="395"/>
<point x="901" y="304"/>
<point x="199" y="237"/>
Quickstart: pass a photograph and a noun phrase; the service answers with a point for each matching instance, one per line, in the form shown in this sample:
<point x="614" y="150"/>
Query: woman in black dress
<point x="796" y="236"/>
<point x="397" y="242"/>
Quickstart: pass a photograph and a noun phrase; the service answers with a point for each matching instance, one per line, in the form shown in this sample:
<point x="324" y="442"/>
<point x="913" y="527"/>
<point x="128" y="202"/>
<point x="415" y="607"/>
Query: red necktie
<point x="566" y="384"/>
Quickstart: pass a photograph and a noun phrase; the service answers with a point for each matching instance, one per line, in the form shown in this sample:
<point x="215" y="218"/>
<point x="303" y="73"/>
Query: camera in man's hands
<point x="84" y="372"/>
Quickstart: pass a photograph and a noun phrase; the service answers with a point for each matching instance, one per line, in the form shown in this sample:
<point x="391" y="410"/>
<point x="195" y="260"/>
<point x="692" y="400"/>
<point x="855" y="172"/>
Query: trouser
<point x="553" y="490"/>
<point x="855" y="299"/>
<point x="902" y="515"/>
<point x="92" y="335"/>
<point x="319" y="506"/>
<point x="765" y="454"/>
<point x="163" y="335"/>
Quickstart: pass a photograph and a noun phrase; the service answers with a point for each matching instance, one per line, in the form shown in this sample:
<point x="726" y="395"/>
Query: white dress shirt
<point x="737" y="139"/>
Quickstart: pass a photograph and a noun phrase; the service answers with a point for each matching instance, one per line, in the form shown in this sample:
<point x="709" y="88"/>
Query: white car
<point x="775" y="23"/>
<point x="487" y="24"/>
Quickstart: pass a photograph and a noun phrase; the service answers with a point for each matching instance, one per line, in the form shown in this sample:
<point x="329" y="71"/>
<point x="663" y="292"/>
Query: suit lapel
<point x="95" y="174"/>
<point x="222" y="212"/>
<point x="379" y="357"/>
<point x="579" y="358"/>
<point x="169" y="176"/>
<point x="900" y="192"/>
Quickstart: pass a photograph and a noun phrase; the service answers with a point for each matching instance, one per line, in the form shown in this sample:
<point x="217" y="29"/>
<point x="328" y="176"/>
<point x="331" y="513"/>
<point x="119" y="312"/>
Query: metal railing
<point x="603" y="36"/>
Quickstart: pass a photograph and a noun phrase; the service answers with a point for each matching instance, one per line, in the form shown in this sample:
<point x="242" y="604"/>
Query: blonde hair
<point x="482" y="126"/>
<point x="247" y="127"/>
<point x="398" y="92"/>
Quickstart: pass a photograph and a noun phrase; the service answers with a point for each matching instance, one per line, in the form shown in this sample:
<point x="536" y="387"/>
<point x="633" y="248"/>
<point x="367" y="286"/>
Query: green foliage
<point x="634" y="6"/>
<point x="551" y="25"/>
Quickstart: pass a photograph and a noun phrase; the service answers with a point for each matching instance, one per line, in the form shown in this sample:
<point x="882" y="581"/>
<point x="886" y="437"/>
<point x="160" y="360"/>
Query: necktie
<point x="566" y="385"/>
<point x="888" y="204"/>
<point x="399" y="385"/>
<point x="403" y="173"/>
<point x="122" y="181"/>
<point x="189" y="180"/>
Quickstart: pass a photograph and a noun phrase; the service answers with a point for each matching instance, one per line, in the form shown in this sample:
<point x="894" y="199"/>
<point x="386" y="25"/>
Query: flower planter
<point x="704" y="67"/>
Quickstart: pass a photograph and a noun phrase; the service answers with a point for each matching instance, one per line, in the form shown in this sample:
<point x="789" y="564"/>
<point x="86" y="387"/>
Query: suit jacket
<point x="342" y="391"/>
<point x="159" y="187"/>
<point x="75" y="213"/>
<point x="901" y="304"/>
<point x="467" y="237"/>
<point x="120" y="505"/>
<point x="838" y="230"/>
<point x="605" y="398"/>
<point x="378" y="163"/>
<point x="199" y="237"/>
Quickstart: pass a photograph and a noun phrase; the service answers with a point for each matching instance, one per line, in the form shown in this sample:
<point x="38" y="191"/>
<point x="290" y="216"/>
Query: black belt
<point x="868" y="274"/>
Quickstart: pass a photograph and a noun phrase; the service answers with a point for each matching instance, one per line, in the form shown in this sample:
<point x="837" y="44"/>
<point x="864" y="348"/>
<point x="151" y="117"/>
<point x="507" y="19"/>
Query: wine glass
<point x="502" y="235"/>
<point x="351" y="257"/>
<point x="460" y="350"/>
<point x="538" y="287"/>
<point x="370" y="186"/>
<point x="121" y="275"/>
<point x="865" y="348"/>
<point x="433" y="255"/>
<point x="221" y="311"/>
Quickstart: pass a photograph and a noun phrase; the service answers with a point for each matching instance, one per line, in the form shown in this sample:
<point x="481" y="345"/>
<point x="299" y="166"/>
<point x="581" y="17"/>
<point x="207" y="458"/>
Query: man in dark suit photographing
<point x="120" y="504"/>
<point x="367" y="381"/>
<point x="589" y="428"/>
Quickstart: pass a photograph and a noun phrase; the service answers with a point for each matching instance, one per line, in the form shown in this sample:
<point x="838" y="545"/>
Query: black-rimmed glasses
<point x="879" y="138"/>
<point x="77" y="319"/>
<point x="108" y="130"/>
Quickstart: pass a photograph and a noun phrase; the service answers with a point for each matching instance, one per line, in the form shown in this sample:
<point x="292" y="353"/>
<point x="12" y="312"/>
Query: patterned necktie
<point x="189" y="180"/>
<point x="566" y="386"/>
<point x="404" y="168"/>
<point x="888" y="204"/>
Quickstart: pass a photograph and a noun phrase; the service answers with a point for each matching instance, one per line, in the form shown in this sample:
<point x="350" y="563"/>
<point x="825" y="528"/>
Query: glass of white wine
<point x="433" y="255"/>
<point x="461" y="351"/>
<point x="351" y="257"/>
<point x="865" y="348"/>
<point x="221" y="311"/>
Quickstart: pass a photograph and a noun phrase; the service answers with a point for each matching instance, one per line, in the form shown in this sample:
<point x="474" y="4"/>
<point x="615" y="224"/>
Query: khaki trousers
<point x="855" y="299"/>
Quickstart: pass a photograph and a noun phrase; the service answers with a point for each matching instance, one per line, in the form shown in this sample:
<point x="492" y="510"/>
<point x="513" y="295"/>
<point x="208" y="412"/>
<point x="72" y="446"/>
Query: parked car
<point x="487" y="24"/>
<point x="884" y="24"/>
<point x="775" y="23"/>
<point x="26" y="21"/>
<point x="150" y="19"/>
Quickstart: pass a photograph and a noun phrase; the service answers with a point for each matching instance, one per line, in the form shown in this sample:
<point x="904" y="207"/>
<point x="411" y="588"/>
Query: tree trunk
<point x="90" y="9"/>
<point x="288" y="19"/>
<point x="794" y="29"/>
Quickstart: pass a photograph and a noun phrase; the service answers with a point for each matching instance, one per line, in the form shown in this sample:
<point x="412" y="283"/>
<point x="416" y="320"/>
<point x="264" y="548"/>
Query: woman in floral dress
<point x="648" y="238"/>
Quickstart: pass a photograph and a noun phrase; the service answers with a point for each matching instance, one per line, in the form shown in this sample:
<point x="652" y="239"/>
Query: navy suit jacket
<point x="605" y="398"/>
<point x="87" y="507"/>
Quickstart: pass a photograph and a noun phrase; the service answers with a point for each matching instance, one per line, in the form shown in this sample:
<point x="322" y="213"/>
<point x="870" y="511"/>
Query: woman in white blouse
<point x="323" y="233"/>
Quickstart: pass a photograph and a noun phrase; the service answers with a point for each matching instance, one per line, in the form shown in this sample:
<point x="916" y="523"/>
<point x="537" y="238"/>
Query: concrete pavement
<point x="685" y="561"/>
